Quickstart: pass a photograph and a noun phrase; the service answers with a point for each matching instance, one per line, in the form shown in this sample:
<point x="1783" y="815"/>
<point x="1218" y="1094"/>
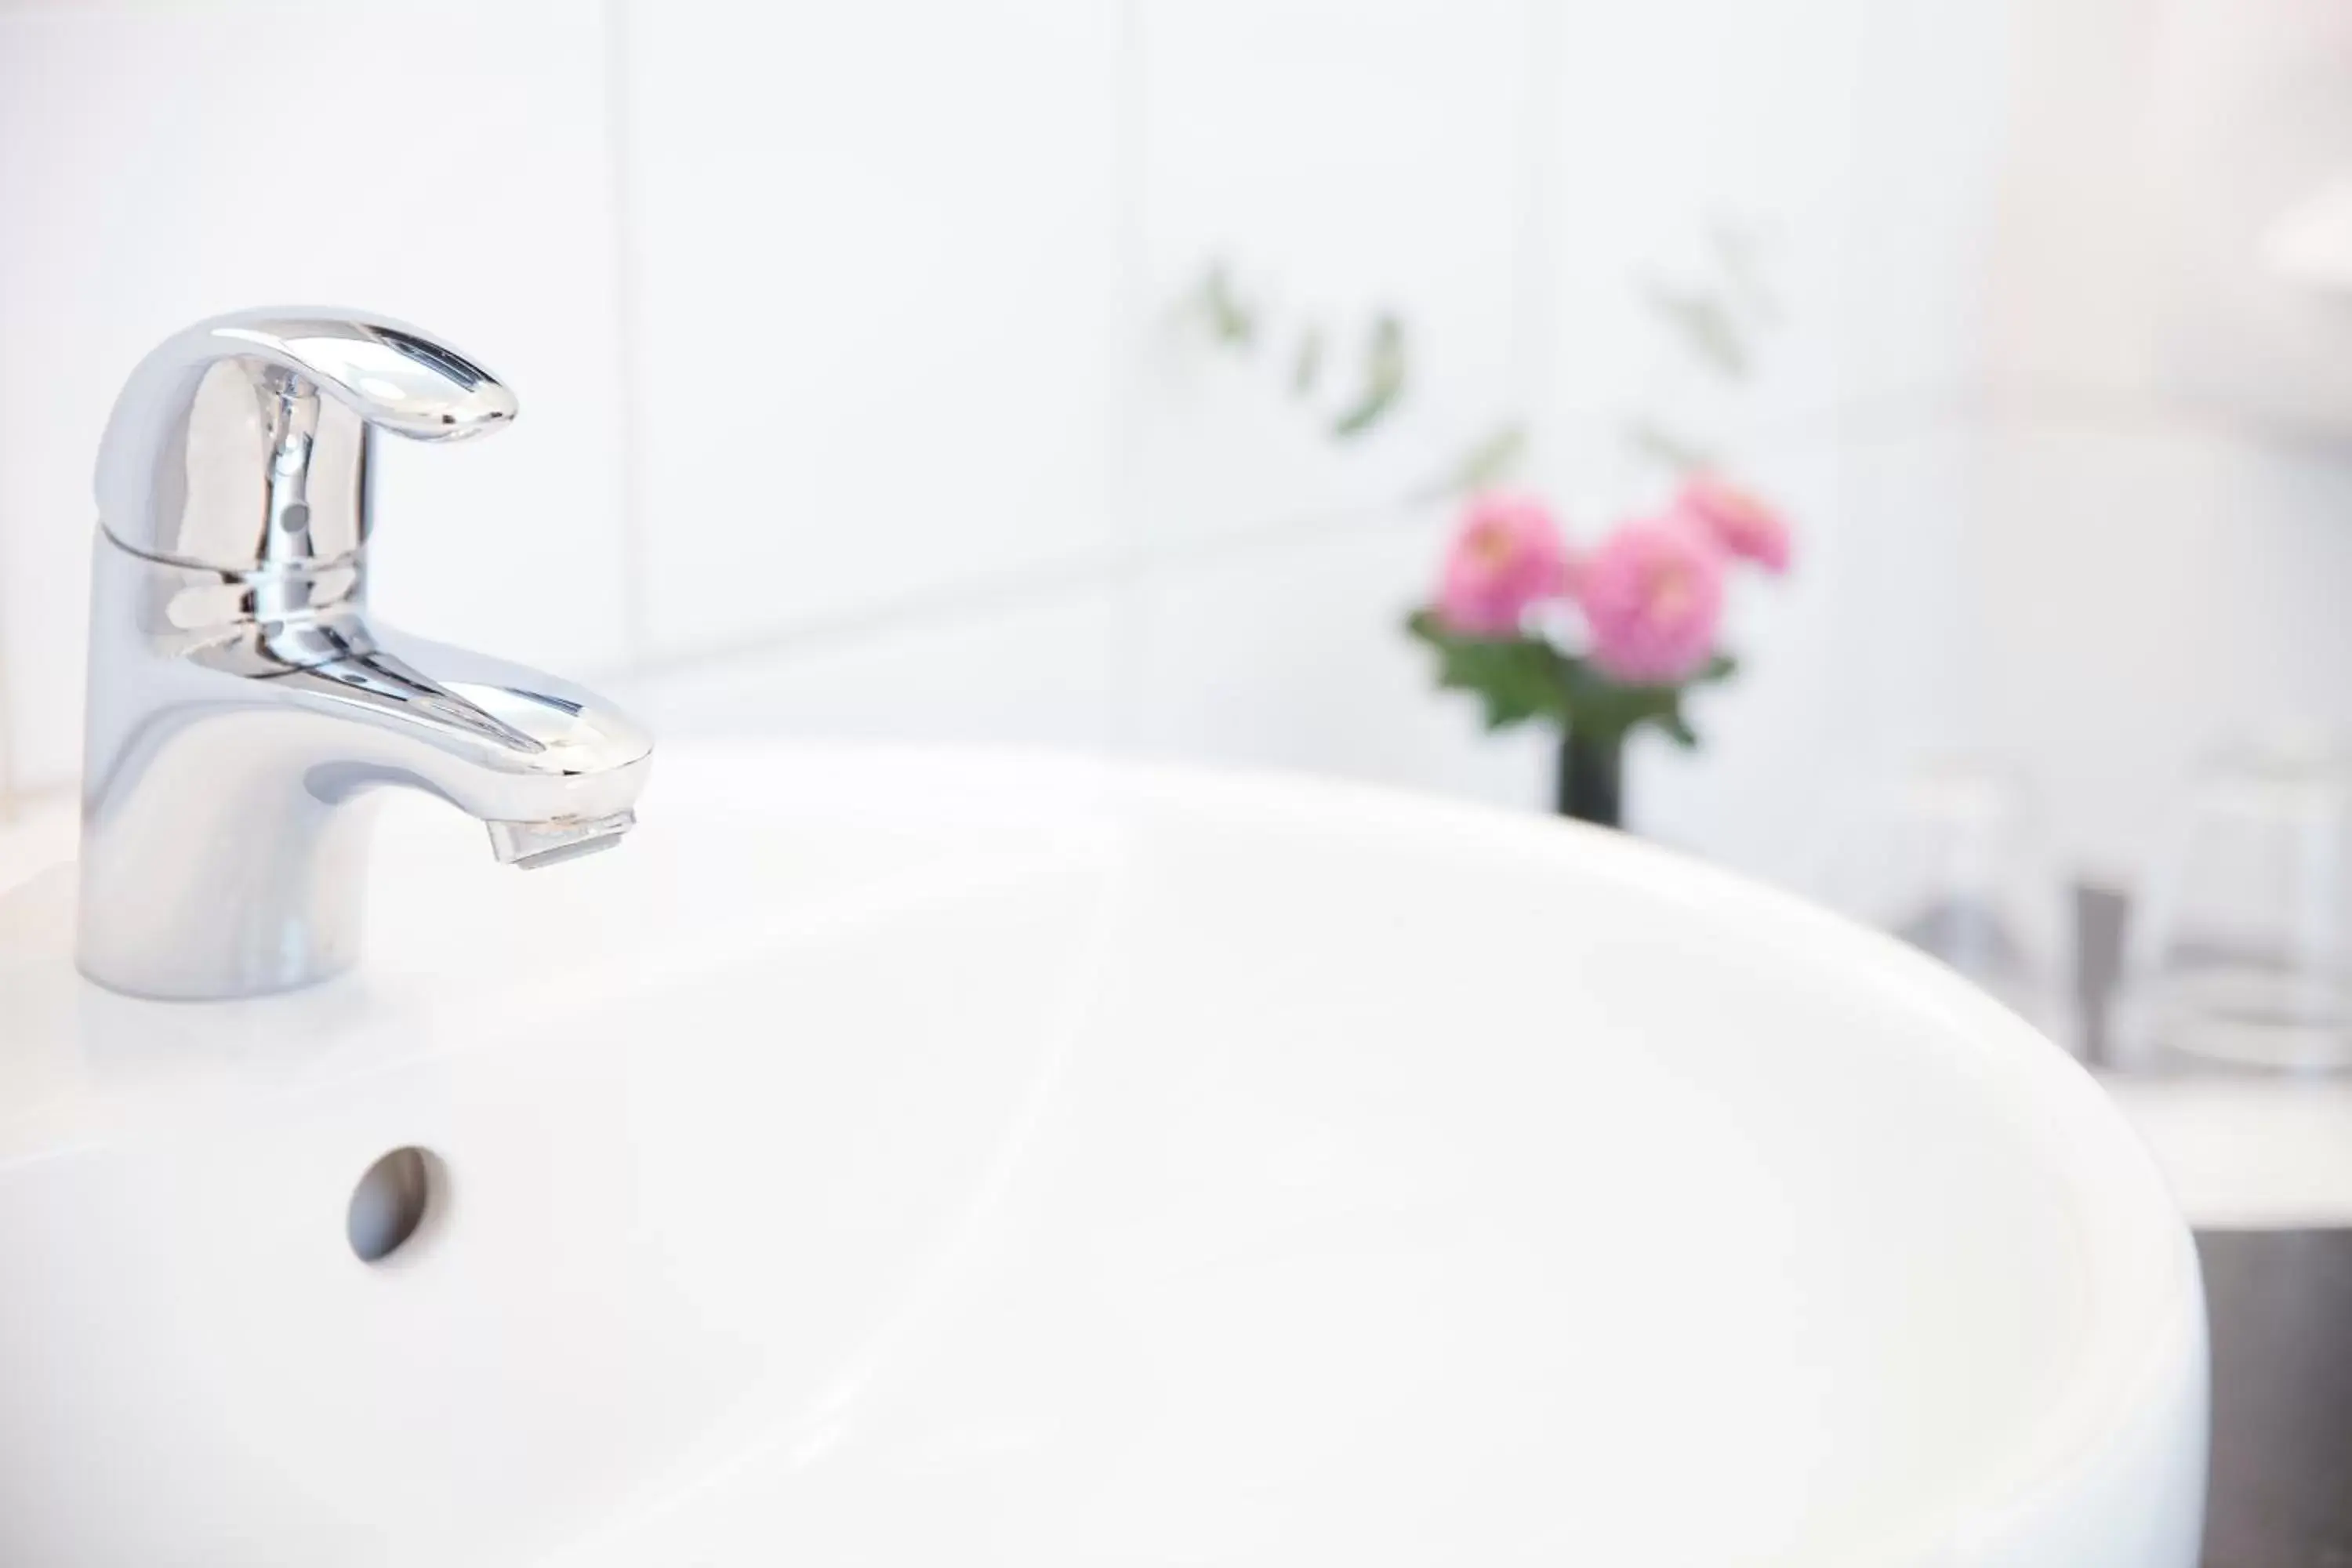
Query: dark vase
<point x="1590" y="785"/>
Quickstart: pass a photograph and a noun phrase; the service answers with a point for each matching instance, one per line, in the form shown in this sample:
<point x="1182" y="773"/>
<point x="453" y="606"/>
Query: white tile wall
<point x="1831" y="663"/>
<point x="1032" y="670"/>
<point x="877" y="250"/>
<point x="2250" y="112"/>
<point x="1855" y="143"/>
<point x="2158" y="590"/>
<point x="909" y="446"/>
<point x="2152" y="146"/>
<point x="2073" y="268"/>
<point x="1288" y="652"/>
<point x="1342" y="157"/>
<point x="161" y="165"/>
<point x="1929" y="132"/>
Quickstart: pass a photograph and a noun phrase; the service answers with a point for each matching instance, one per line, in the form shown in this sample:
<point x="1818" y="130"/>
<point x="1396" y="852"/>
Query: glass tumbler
<point x="2245" y="952"/>
<point x="1949" y="857"/>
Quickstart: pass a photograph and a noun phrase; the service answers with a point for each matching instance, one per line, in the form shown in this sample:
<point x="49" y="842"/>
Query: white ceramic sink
<point x="925" y="1159"/>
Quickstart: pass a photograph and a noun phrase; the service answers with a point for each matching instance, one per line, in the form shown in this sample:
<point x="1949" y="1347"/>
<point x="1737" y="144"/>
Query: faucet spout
<point x="533" y="757"/>
<point x="552" y="770"/>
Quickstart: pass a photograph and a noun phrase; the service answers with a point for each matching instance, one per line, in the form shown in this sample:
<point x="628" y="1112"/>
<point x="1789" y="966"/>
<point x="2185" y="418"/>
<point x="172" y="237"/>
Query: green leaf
<point x="1611" y="710"/>
<point x="1735" y="252"/>
<point x="1683" y="458"/>
<point x="1491" y="461"/>
<point x="1706" y="323"/>
<point x="1384" y="377"/>
<point x="1519" y="679"/>
<point x="1720" y="666"/>
<point x="1306" y="363"/>
<point x="1608" y="710"/>
<point x="1524" y="678"/>
<point x="1233" y="323"/>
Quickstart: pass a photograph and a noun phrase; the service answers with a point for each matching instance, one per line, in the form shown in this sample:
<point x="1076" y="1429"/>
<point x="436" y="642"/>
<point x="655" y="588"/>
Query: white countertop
<point x="2249" y="1153"/>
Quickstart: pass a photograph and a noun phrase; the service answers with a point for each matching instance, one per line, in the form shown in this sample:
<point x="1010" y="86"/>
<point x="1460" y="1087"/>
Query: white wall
<point x="852" y="404"/>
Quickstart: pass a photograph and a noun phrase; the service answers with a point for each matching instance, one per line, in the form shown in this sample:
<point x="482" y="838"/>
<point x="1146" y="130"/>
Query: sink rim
<point x="2137" y="1253"/>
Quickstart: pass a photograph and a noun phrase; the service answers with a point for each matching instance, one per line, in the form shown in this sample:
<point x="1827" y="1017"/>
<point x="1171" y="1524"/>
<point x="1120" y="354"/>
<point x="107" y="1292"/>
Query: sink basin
<point x="916" y="1158"/>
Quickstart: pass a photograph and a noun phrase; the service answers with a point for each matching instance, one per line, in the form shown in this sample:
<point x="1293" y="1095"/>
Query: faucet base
<point x="265" y="903"/>
<point x="238" y="728"/>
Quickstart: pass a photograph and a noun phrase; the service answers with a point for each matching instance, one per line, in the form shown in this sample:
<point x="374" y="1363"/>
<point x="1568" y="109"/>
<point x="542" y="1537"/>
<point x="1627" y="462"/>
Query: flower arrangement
<point x="1595" y="642"/>
<point x="1599" y="642"/>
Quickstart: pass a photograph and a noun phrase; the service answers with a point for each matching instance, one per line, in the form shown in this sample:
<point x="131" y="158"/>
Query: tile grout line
<point x="1128" y="566"/>
<point x="1532" y="253"/>
<point x="1128" y="580"/>
<point x="7" y="746"/>
<point x="1993" y="410"/>
<point x="9" y="795"/>
<point x="1107" y="570"/>
<point x="622" y="194"/>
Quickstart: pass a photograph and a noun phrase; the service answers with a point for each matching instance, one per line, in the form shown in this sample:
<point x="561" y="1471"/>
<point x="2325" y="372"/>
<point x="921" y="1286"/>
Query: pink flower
<point x="1738" y="523"/>
<point x="1506" y="558"/>
<point x="1653" y="598"/>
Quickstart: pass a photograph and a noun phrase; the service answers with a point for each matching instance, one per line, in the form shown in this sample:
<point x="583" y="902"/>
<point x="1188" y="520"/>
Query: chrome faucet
<point x="244" y="706"/>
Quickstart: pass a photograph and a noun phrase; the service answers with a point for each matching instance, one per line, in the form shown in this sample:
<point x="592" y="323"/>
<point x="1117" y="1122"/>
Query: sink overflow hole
<point x="392" y="1201"/>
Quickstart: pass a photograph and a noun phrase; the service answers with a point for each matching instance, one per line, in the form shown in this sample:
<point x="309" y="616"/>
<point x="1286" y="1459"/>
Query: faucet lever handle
<point x="243" y="442"/>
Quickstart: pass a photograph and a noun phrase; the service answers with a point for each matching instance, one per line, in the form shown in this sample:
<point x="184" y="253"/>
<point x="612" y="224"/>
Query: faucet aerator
<point x="529" y="846"/>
